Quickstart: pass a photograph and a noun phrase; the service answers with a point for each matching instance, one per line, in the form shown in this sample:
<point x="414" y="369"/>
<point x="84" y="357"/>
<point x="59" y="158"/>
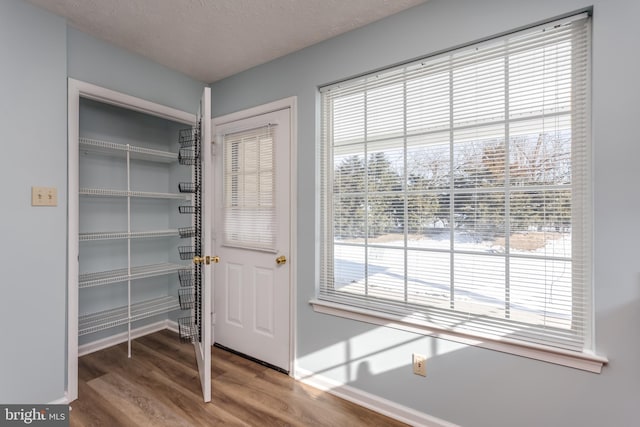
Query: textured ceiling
<point x="212" y="39"/>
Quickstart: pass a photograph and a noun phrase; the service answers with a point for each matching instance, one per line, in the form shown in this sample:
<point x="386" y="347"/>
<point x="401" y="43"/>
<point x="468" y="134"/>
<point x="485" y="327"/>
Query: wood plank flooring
<point x="159" y="386"/>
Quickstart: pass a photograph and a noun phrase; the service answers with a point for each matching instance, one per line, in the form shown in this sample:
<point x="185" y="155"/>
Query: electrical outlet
<point x="44" y="196"/>
<point x="420" y="364"/>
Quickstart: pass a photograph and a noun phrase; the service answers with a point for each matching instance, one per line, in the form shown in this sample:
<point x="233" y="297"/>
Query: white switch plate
<point x="44" y="196"/>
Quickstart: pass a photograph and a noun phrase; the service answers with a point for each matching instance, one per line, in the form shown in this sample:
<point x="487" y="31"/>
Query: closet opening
<point x="135" y="224"/>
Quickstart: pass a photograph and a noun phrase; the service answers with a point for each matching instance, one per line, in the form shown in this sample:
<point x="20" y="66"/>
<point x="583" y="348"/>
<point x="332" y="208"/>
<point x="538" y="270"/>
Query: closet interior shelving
<point x="135" y="272"/>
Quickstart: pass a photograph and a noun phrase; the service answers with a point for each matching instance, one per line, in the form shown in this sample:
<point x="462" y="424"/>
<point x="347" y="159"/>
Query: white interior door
<point x="252" y="223"/>
<point x="203" y="295"/>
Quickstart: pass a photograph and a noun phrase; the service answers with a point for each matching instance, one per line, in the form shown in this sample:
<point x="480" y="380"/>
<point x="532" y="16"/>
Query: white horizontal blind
<point x="249" y="189"/>
<point x="456" y="189"/>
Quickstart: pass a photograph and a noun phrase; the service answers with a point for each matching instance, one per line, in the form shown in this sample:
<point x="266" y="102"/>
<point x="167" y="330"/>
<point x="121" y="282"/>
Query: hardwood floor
<point x="159" y="386"/>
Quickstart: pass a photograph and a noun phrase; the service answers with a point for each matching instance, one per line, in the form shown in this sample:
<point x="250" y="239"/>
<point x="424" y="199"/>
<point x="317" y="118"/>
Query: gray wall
<point x="469" y="385"/>
<point x="95" y="61"/>
<point x="33" y="104"/>
<point x="38" y="52"/>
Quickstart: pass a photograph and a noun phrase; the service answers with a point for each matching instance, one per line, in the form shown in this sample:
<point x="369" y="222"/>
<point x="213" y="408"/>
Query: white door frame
<point x="291" y="104"/>
<point x="78" y="89"/>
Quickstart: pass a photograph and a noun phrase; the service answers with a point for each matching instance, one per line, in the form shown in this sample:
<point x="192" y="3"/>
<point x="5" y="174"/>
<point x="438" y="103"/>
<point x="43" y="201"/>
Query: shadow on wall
<point x="478" y="387"/>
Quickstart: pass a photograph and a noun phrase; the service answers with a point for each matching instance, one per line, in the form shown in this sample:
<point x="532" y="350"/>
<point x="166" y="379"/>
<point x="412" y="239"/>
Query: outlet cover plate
<point x="420" y="364"/>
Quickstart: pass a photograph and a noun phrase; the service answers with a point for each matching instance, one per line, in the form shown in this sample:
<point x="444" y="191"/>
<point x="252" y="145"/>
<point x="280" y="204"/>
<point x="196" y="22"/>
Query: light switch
<point x="44" y="196"/>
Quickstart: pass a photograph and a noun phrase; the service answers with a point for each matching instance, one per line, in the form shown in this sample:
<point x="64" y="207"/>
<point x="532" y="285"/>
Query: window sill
<point x="583" y="361"/>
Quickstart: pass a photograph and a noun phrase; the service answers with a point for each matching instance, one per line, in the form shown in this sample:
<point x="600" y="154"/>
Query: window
<point x="249" y="192"/>
<point x="455" y="190"/>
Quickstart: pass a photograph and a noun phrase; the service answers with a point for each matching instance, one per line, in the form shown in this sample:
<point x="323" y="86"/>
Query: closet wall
<point x="135" y="235"/>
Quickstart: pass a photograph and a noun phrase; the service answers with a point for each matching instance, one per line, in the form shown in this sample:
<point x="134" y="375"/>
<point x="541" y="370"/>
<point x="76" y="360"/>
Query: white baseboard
<point x="122" y="337"/>
<point x="61" y="401"/>
<point x="172" y="325"/>
<point x="370" y="401"/>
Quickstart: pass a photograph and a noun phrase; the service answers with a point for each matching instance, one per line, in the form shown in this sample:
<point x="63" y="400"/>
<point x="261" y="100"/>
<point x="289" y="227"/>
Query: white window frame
<point x="367" y="311"/>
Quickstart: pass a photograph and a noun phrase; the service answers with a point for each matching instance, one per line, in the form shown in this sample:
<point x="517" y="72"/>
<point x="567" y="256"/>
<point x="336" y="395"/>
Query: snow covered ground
<point x="486" y="280"/>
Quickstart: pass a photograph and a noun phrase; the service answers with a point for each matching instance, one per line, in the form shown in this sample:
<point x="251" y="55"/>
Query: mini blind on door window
<point x="456" y="189"/>
<point x="249" y="192"/>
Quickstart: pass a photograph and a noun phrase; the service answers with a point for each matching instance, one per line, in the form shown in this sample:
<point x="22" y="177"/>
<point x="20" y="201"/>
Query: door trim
<point x="291" y="103"/>
<point x="78" y="89"/>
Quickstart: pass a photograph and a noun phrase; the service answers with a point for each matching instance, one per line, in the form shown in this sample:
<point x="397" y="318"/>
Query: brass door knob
<point x="198" y="259"/>
<point x="215" y="259"/>
<point x="281" y="260"/>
